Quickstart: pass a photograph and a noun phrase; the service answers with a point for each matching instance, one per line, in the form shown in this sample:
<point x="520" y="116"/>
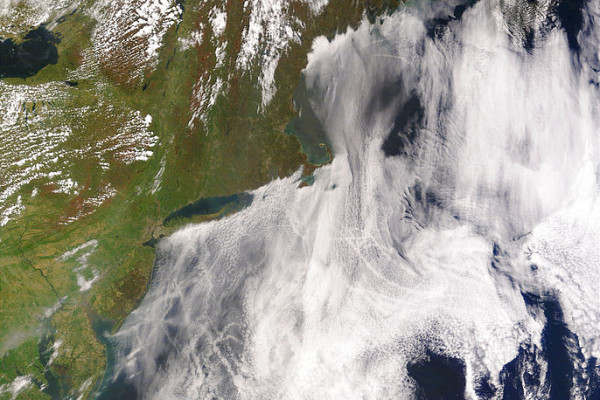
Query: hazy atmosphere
<point x="300" y="199"/>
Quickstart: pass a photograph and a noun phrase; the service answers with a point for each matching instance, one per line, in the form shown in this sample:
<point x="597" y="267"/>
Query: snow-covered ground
<point x="41" y="140"/>
<point x="16" y="15"/>
<point x="130" y="33"/>
<point x="271" y="28"/>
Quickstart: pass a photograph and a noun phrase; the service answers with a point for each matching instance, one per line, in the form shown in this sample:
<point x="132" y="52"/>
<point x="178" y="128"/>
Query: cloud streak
<point x="490" y="193"/>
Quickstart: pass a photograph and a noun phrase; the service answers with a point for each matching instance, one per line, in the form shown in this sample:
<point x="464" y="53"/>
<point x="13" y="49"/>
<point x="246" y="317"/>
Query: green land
<point x="46" y="320"/>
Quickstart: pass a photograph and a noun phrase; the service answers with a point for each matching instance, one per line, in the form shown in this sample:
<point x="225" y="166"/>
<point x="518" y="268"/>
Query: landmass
<point x="139" y="116"/>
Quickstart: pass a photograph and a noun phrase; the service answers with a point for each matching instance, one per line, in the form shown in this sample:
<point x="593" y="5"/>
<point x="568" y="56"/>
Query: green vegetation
<point x="239" y="146"/>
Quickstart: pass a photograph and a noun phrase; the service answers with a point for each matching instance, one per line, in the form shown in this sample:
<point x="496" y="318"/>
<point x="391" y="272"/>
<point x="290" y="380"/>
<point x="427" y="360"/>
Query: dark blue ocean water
<point x="27" y="58"/>
<point x="554" y="369"/>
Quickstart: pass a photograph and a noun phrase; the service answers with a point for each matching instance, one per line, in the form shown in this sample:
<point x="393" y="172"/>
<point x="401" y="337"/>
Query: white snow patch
<point x="220" y="54"/>
<point x="20" y="384"/>
<point x="83" y="260"/>
<point x="70" y="253"/>
<point x="218" y="21"/>
<point x="38" y="143"/>
<point x="90" y="204"/>
<point x="194" y="40"/>
<point x="86" y="284"/>
<point x="66" y="186"/>
<point x="267" y="36"/>
<point x="55" y="346"/>
<point x="132" y="31"/>
<point x="205" y="96"/>
<point x="84" y="386"/>
<point x="17" y="15"/>
<point x="50" y="311"/>
<point x="158" y="177"/>
<point x="11" y="212"/>
<point x="317" y="6"/>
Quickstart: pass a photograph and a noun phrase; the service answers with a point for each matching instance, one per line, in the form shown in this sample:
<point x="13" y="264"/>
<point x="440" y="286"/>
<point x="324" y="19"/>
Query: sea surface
<point x="450" y="250"/>
<point x="29" y="56"/>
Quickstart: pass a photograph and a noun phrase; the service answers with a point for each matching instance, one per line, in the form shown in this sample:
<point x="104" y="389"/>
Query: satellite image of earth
<point x="300" y="199"/>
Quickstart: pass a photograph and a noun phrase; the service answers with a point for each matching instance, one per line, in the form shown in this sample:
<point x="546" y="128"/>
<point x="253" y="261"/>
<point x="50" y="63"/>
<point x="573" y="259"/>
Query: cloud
<point x="328" y="291"/>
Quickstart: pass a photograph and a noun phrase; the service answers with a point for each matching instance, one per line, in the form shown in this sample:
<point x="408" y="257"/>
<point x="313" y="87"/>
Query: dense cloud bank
<point x="450" y="249"/>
